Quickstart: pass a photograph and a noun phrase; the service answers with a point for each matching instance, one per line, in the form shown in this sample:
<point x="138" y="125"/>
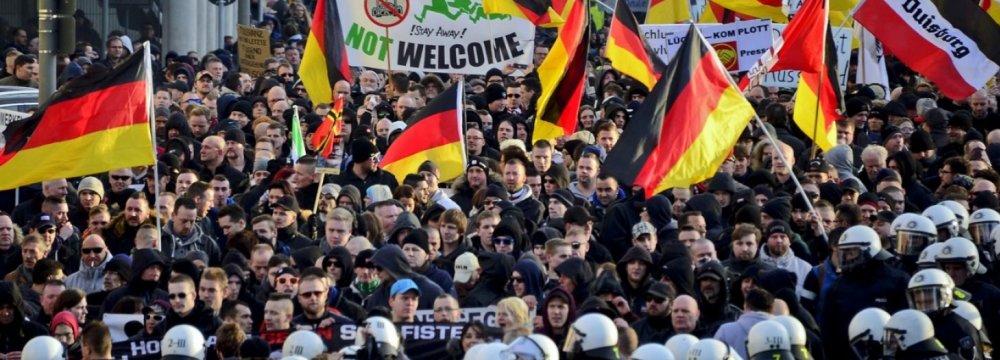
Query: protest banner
<point x="116" y="323"/>
<point x="738" y="44"/>
<point x="144" y="349"/>
<point x="421" y="340"/>
<point x="433" y="36"/>
<point x="842" y="38"/>
<point x="487" y="315"/>
<point x="254" y="46"/>
<point x="7" y="117"/>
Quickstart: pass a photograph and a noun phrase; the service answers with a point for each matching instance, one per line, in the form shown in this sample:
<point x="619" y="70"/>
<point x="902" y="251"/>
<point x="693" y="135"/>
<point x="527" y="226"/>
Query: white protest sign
<point x="116" y="324"/>
<point x="433" y="36"/>
<point x="7" y="117"/>
<point x="738" y="44"/>
<point x="842" y="37"/>
<point x="487" y="315"/>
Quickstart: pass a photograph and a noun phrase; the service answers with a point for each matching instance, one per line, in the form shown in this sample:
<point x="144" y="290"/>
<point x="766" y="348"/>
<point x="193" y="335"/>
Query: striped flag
<point x="992" y="7"/>
<point x="298" y="145"/>
<point x="667" y="12"/>
<point x="959" y="42"/>
<point x="818" y="100"/>
<point x="543" y="13"/>
<point x="799" y="48"/>
<point x="434" y="134"/>
<point x="563" y="76"/>
<point x="745" y="9"/>
<point x="628" y="50"/>
<point x="324" y="61"/>
<point x="326" y="135"/>
<point x="92" y="125"/>
<point x="687" y="126"/>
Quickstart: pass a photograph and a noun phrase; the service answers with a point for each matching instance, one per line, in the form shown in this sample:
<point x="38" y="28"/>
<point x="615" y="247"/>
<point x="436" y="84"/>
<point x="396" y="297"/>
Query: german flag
<point x="94" y="124"/>
<point x="628" y="50"/>
<point x="326" y="136"/>
<point x="760" y="9"/>
<point x="992" y="8"/>
<point x="668" y="12"/>
<point x="543" y="13"/>
<point x="435" y="134"/>
<point x="818" y="101"/>
<point x="324" y="62"/>
<point x="563" y="76"/>
<point x="687" y="126"/>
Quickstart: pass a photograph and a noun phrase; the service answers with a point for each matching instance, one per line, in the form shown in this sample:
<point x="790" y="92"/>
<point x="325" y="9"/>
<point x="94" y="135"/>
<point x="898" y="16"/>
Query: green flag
<point x="298" y="145"/>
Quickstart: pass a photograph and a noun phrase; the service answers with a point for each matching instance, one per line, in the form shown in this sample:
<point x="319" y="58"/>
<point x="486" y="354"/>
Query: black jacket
<point x="392" y="259"/>
<point x="15" y="335"/>
<point x="653" y="329"/>
<point x="347" y="177"/>
<point x="201" y="317"/>
<point x="580" y="272"/>
<point x="145" y="290"/>
<point x="495" y="273"/>
<point x="616" y="229"/>
<point x="875" y="285"/>
<point x="721" y="311"/>
<point x="635" y="295"/>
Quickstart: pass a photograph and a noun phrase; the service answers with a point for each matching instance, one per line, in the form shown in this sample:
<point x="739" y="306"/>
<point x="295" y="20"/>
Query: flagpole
<point x="781" y="154"/>
<point x="147" y="63"/>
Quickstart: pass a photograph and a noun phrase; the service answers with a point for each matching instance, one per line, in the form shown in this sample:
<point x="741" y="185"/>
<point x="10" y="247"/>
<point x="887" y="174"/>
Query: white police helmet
<point x="652" y="351"/>
<point x="905" y="329"/>
<point x="305" y="343"/>
<point x="959" y="249"/>
<point x="796" y="334"/>
<point x="969" y="312"/>
<point x="183" y="342"/>
<point x="768" y="339"/>
<point x="43" y="348"/>
<point x="710" y="349"/>
<point x="913" y="233"/>
<point x="594" y="335"/>
<point x="961" y="213"/>
<point x="680" y="344"/>
<point x="930" y="290"/>
<point x="382" y="332"/>
<point x="485" y="351"/>
<point x="533" y="347"/>
<point x="865" y="332"/>
<point x="858" y="245"/>
<point x="928" y="257"/>
<point x="982" y="222"/>
<point x="944" y="220"/>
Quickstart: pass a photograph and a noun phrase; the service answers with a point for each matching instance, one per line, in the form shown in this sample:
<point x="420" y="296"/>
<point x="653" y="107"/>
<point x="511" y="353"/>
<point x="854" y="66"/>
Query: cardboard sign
<point x="738" y="44"/>
<point x="433" y="36"/>
<point x="254" y="46"/>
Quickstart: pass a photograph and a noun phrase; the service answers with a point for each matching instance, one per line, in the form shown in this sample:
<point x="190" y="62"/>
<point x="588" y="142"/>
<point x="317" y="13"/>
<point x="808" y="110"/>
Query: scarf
<point x="520" y="195"/>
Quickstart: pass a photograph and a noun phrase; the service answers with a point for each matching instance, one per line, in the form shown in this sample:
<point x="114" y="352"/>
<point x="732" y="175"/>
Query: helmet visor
<point x="928" y="298"/>
<point x="852" y="257"/>
<point x="574" y="340"/>
<point x="864" y="347"/>
<point x="981" y="232"/>
<point x="911" y="243"/>
<point x="892" y="342"/>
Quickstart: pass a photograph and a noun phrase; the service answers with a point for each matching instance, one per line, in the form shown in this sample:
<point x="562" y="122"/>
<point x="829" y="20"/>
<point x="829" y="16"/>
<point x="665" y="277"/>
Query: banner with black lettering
<point x="486" y="315"/>
<point x="433" y="36"/>
<point x="739" y="44"/>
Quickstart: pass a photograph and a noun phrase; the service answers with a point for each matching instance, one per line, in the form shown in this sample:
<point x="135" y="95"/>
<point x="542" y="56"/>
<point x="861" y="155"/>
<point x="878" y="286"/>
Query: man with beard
<point x="122" y="230"/>
<point x="236" y="155"/>
<point x="655" y="326"/>
<point x="607" y="193"/>
<point x="213" y="158"/>
<point x="94" y="256"/>
<point x="314" y="289"/>
<point x="778" y="253"/>
<point x="587" y="168"/>
<point x="33" y="249"/>
<point x="476" y="178"/>
<point x="714" y="296"/>
<point x="982" y="118"/>
<point x="746" y="242"/>
<point x="181" y="235"/>
<point x="515" y="178"/>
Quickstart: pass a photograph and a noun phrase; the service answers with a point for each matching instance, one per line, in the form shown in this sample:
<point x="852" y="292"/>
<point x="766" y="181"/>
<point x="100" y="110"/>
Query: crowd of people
<point x="231" y="248"/>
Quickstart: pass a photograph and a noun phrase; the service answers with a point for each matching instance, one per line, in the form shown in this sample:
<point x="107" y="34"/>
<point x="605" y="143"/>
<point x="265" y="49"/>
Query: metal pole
<point x="47" y="41"/>
<point x="781" y="154"/>
<point x="147" y="63"/>
<point x="221" y="15"/>
<point x="260" y="11"/>
<point x="105" y="23"/>
<point x="244" y="12"/>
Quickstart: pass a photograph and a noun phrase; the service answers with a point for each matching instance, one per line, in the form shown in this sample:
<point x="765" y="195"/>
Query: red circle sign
<point x="387" y="13"/>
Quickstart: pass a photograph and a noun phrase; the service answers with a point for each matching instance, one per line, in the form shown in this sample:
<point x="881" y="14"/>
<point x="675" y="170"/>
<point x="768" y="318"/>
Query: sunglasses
<point x="181" y="296"/>
<point x="513" y="96"/>
<point x="286" y="75"/>
<point x="94" y="250"/>
<point x="310" y="294"/>
<point x="120" y="177"/>
<point x="657" y="300"/>
<point x="292" y="281"/>
<point x="517" y="280"/>
<point x="156" y="317"/>
<point x="504" y="240"/>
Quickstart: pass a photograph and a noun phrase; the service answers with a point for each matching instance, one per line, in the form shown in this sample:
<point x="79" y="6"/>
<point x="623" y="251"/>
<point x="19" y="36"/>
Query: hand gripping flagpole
<point x="147" y="68"/>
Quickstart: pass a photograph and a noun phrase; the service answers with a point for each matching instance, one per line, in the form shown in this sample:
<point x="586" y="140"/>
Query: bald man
<point x="277" y="101"/>
<point x="784" y="171"/>
<point x="94" y="256"/>
<point x="684" y="315"/>
<point x="213" y="157"/>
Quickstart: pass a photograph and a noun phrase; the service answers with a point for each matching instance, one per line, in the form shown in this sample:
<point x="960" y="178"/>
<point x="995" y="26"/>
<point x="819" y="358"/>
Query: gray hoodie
<point x="89" y="278"/>
<point x="841" y="157"/>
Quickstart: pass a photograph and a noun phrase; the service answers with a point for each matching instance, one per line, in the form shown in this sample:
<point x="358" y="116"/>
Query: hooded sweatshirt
<point x="532" y="277"/>
<point x="635" y="295"/>
<point x="495" y="270"/>
<point x="15" y="335"/>
<point x="176" y="246"/>
<point x="391" y="259"/>
<point x="841" y="157"/>
<point x="616" y="229"/>
<point x="354" y="194"/>
<point x="580" y="272"/>
<point x="557" y="335"/>
<point x="711" y="211"/>
<point x="89" y="278"/>
<point x="405" y="221"/>
<point x="145" y="290"/>
<point x="721" y="311"/>
<point x="680" y="273"/>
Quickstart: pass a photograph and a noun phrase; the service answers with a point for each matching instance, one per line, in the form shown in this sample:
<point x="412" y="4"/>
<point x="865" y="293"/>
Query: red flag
<point x="326" y="136"/>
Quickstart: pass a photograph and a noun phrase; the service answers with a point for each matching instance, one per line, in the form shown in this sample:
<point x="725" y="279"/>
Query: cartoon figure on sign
<point x="474" y="9"/>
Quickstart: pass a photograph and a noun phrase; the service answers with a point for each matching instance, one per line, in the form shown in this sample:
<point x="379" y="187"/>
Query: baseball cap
<point x="42" y="220"/>
<point x="819" y="165"/>
<point x="778" y="227"/>
<point x="288" y="203"/>
<point x="643" y="228"/>
<point x="465" y="265"/>
<point x="402" y="286"/>
<point x="659" y="289"/>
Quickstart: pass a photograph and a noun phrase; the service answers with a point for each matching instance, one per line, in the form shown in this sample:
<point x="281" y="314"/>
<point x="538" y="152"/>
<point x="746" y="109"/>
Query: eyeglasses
<point x="513" y="96"/>
<point x="181" y="296"/>
<point x="287" y="75"/>
<point x="517" y="280"/>
<point x="292" y="281"/>
<point x="93" y="250"/>
<point x="575" y="245"/>
<point x="655" y="299"/>
<point x="120" y="177"/>
<point x="310" y="294"/>
<point x="503" y="240"/>
<point x="156" y="317"/>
